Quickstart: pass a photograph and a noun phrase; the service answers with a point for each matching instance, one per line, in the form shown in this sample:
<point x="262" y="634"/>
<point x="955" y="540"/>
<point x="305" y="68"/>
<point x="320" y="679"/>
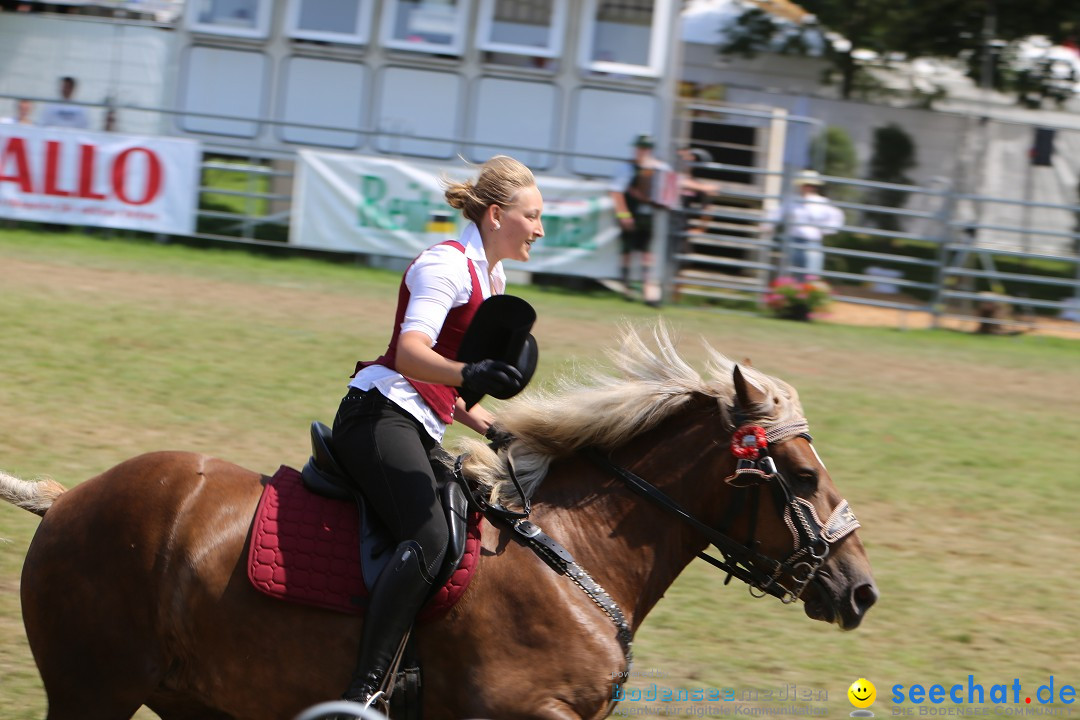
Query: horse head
<point x="643" y="438"/>
<point x="805" y="533"/>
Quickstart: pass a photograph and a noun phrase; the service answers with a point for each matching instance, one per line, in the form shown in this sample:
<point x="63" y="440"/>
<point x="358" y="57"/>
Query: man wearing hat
<point x="634" y="190"/>
<point x="807" y="219"/>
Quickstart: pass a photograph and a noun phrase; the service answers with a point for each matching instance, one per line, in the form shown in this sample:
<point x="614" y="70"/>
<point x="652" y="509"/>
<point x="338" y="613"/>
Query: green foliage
<point x="925" y="28"/>
<point x="840" y="159"/>
<point x="892" y="156"/>
<point x="929" y="250"/>
<point x="756" y="31"/>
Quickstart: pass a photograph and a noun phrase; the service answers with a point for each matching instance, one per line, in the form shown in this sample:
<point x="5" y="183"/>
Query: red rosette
<point x="748" y="441"/>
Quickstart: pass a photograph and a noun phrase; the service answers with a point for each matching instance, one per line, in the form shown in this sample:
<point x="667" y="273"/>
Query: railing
<point x="931" y="262"/>
<point x="934" y="261"/>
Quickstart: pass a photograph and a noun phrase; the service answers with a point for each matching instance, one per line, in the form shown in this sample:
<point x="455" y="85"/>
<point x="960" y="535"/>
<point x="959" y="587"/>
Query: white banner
<point x="381" y="206"/>
<point x="78" y="177"/>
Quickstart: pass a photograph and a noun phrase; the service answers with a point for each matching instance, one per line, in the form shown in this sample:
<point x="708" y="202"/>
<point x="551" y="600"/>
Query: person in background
<point x="807" y="219"/>
<point x="65" y="114"/>
<point x="398" y="406"/>
<point x="693" y="191"/>
<point x="633" y="191"/>
<point x="24" y="110"/>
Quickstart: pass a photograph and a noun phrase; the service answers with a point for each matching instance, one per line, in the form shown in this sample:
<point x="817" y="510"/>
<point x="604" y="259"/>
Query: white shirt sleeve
<point x="621" y="180"/>
<point x="438" y="282"/>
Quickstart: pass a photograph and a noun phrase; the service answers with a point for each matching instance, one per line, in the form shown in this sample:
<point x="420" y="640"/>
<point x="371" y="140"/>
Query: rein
<point x="813" y="539"/>
<point x="551" y="552"/>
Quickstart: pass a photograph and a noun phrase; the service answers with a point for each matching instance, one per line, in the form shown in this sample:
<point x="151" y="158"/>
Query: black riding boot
<point x="398" y="594"/>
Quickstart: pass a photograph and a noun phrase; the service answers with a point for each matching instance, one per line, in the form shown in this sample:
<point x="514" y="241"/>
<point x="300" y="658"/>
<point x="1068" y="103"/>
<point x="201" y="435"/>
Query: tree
<point x="836" y="149"/>
<point x="922" y="28"/>
<point x="840" y="158"/>
<point x="893" y="155"/>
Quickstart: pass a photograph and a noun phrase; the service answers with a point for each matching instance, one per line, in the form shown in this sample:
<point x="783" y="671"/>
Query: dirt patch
<point x="849" y="313"/>
<point x="170" y="290"/>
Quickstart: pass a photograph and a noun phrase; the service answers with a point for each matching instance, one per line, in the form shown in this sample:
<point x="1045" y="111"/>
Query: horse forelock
<point x="605" y="407"/>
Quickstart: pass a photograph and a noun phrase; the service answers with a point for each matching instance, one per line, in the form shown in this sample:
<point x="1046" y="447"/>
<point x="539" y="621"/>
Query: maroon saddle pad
<point x="305" y="548"/>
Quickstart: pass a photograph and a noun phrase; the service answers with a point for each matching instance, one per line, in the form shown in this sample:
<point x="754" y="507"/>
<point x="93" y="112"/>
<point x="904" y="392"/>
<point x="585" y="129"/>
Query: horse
<point x="134" y="590"/>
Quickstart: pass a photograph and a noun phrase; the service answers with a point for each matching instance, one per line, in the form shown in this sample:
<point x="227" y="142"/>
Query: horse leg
<point x="85" y="616"/>
<point x="91" y="670"/>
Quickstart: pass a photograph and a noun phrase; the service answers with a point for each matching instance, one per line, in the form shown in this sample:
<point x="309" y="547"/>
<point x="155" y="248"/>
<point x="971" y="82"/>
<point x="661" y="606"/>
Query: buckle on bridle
<point x="749" y="473"/>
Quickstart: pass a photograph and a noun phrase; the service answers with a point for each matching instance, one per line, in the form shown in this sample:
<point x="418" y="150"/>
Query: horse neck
<point x="631" y="546"/>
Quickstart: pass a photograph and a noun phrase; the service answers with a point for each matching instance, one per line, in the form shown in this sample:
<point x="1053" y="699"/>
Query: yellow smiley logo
<point x="862" y="693"/>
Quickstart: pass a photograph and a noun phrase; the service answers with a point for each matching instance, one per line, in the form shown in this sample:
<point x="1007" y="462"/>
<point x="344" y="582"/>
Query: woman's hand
<point x="478" y="419"/>
<point x="492" y="377"/>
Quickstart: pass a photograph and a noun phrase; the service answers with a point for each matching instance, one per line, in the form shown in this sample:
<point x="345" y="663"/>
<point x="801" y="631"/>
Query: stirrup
<point x="379" y="700"/>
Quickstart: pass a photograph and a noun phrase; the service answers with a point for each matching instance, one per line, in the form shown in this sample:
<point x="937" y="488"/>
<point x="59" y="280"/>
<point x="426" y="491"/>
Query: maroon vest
<point x="439" y="397"/>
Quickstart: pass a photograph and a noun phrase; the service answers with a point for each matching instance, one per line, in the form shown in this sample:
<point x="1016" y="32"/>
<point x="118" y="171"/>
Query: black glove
<point x="499" y="438"/>
<point x="492" y="377"/>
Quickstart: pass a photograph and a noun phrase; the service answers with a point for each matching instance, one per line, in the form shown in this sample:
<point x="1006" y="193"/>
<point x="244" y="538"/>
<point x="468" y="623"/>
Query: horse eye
<point x="808" y="478"/>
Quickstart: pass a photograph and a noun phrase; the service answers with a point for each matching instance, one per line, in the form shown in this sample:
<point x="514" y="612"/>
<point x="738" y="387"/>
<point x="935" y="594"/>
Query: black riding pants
<point x="386" y="451"/>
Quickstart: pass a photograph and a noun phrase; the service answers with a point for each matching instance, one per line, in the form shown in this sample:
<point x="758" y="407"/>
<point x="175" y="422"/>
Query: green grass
<point x="958" y="452"/>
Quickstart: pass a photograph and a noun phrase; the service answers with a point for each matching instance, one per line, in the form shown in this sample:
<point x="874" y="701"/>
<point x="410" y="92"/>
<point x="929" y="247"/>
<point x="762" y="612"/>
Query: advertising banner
<point x="78" y="177"/>
<point x="395" y="208"/>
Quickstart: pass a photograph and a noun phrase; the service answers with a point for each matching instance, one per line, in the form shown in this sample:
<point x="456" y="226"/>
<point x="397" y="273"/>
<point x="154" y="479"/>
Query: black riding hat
<point x="500" y="331"/>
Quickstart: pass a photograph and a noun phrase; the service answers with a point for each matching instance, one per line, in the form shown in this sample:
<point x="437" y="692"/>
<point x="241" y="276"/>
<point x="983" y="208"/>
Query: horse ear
<point x="746" y="392"/>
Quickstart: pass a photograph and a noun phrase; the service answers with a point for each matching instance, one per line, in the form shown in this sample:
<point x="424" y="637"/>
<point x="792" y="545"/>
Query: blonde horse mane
<point x="606" y="407"/>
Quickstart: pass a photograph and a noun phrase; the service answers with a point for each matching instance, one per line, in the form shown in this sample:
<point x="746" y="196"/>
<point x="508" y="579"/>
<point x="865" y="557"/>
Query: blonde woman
<point x="398" y="406"/>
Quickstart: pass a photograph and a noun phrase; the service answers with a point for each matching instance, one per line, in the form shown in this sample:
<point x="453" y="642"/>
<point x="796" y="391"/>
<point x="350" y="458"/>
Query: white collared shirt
<point x="438" y="282"/>
<point x="64" y="115"/>
<point x="812" y="217"/>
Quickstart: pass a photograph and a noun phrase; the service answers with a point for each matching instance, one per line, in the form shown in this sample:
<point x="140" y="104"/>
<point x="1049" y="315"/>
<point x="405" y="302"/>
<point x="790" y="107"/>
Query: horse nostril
<point x="864" y="596"/>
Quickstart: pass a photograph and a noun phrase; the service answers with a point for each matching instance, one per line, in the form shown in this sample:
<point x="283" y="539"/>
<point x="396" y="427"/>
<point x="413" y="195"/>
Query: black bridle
<point x="813" y="539"/>
<point x="764" y="575"/>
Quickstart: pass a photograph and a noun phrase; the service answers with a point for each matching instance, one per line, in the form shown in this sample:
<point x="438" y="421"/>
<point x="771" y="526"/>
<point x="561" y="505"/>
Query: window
<point x="628" y="115"/>
<point x="500" y="125"/>
<point x="522" y="27"/>
<point x="304" y="99"/>
<point x="220" y="83"/>
<point x="433" y="26"/>
<point x="241" y="18"/>
<point x="342" y="21"/>
<point x="626" y="37"/>
<point x="418" y="112"/>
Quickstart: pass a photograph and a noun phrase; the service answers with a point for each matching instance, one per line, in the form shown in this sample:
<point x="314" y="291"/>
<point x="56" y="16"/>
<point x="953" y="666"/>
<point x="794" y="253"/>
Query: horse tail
<point x="37" y="497"/>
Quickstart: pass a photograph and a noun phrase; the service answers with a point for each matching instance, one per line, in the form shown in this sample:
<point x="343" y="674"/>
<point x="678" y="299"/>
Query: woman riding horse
<point x="135" y="589"/>
<point x="398" y="407"/>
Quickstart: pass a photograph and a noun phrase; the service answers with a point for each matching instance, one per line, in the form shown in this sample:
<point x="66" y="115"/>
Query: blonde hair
<point x="605" y="409"/>
<point x="499" y="181"/>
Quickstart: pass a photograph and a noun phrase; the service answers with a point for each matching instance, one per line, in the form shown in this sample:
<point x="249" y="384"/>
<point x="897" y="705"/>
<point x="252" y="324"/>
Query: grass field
<point x="959" y="453"/>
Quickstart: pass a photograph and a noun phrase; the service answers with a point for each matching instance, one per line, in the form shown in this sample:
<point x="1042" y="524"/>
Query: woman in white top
<point x="398" y="406"/>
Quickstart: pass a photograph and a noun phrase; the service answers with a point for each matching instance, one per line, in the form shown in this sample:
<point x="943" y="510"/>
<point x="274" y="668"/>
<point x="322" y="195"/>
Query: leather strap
<point x="560" y="560"/>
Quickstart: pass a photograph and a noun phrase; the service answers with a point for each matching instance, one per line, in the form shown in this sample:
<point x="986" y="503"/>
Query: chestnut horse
<point x="134" y="589"/>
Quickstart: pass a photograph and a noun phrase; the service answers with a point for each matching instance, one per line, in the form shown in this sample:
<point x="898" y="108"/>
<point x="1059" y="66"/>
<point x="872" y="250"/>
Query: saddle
<point x="323" y="475"/>
<point x="314" y="540"/>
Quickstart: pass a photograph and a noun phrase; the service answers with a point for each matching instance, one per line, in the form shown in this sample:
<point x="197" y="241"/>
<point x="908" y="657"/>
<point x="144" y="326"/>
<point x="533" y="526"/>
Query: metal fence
<point x="939" y="255"/>
<point x="924" y="255"/>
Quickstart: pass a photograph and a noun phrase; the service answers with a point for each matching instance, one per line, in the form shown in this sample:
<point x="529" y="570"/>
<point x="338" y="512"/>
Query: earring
<point x="496" y="226"/>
